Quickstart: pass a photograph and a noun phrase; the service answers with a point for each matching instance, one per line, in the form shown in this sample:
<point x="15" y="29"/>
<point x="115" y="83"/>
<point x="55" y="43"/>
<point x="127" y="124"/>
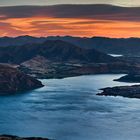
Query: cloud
<point x="76" y="20"/>
<point x="99" y="12"/>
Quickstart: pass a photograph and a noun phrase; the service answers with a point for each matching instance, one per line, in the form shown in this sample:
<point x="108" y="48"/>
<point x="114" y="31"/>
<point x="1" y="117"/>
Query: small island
<point x="132" y="78"/>
<point x="13" y="80"/>
<point x="124" y="91"/>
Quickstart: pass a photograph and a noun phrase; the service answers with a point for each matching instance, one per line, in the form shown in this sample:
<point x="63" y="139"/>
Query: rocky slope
<point x="40" y="67"/>
<point x="12" y="80"/>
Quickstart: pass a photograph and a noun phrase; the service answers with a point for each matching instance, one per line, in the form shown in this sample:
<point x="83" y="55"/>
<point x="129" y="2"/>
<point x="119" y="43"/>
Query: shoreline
<point x="123" y="91"/>
<point x="13" y="137"/>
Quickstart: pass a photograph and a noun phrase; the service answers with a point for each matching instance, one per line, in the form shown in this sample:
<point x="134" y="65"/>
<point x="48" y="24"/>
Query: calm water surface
<point x="116" y="55"/>
<point x="68" y="109"/>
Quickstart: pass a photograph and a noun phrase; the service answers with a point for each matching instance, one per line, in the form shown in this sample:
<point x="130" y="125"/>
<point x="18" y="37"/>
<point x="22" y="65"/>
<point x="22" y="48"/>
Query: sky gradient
<point x="54" y="2"/>
<point x="90" y="19"/>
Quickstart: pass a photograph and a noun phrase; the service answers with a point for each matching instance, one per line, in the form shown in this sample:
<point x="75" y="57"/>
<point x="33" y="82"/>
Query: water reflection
<point x="68" y="109"/>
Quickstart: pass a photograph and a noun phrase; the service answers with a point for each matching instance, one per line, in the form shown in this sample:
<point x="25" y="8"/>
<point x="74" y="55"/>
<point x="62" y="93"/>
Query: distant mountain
<point x="129" y="46"/>
<point x="21" y="40"/>
<point x="54" y="51"/>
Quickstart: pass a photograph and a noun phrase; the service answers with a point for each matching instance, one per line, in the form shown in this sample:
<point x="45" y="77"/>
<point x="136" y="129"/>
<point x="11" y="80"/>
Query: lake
<point x="69" y="109"/>
<point x="116" y="55"/>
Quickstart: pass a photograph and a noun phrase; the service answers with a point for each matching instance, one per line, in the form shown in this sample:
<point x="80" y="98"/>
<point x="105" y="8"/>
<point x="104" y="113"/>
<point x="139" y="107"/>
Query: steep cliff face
<point x="12" y="80"/>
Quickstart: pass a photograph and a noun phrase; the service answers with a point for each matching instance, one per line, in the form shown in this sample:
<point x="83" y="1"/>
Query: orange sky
<point x="72" y="20"/>
<point x="49" y="26"/>
<point x="43" y="21"/>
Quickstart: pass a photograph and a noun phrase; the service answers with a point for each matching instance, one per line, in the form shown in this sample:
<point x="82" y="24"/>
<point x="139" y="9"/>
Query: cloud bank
<point x="62" y="18"/>
<point x="107" y="12"/>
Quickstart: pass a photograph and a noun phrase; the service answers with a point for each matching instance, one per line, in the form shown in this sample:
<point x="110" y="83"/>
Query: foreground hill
<point x="54" y="51"/>
<point x="12" y="80"/>
<point x="40" y="67"/>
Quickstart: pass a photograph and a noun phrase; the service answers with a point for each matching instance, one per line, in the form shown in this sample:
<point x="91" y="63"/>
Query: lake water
<point x="116" y="55"/>
<point x="68" y="109"/>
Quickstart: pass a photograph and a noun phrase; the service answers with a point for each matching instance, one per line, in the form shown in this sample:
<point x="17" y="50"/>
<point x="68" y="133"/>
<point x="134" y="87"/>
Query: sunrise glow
<point x="47" y="26"/>
<point x="53" y="21"/>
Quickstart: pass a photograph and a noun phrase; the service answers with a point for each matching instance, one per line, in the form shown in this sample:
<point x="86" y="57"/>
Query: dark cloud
<point x="100" y="12"/>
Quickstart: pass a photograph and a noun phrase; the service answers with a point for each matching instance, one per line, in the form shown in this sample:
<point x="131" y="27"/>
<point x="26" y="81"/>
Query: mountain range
<point x="125" y="46"/>
<point x="58" y="57"/>
<point x="54" y="50"/>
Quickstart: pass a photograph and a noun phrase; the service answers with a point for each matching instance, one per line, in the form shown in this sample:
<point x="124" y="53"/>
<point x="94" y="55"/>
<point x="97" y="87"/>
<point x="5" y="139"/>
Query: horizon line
<point x="70" y="36"/>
